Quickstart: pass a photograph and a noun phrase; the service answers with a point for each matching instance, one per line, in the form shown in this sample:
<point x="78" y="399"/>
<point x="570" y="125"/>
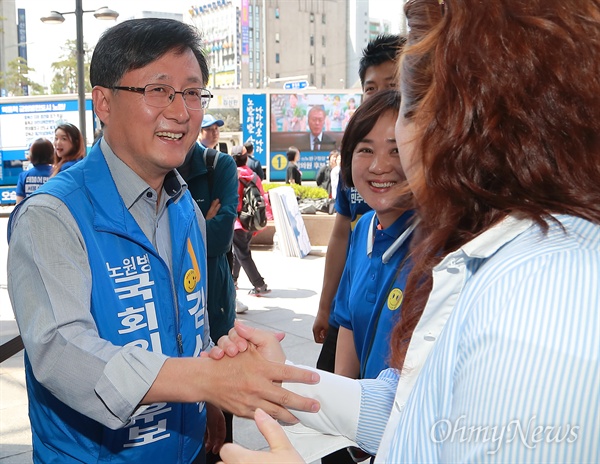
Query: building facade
<point x="9" y="38"/>
<point x="266" y="43"/>
<point x="219" y="22"/>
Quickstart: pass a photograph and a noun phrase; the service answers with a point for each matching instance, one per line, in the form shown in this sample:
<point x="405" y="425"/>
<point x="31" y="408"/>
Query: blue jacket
<point x="134" y="301"/>
<point x="219" y="231"/>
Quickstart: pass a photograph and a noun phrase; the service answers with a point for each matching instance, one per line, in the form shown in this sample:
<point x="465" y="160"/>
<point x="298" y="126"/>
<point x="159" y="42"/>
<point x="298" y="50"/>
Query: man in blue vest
<point x="107" y="275"/>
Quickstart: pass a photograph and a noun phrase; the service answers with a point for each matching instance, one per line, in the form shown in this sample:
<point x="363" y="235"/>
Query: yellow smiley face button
<point x="190" y="280"/>
<point x="395" y="299"/>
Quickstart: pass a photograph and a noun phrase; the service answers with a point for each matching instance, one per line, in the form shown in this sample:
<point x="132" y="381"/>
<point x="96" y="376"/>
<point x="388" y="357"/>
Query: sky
<point x="44" y="41"/>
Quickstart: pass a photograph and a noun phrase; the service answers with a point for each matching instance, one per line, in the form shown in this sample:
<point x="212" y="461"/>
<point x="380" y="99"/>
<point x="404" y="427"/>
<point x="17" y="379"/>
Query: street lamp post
<point x="58" y="18"/>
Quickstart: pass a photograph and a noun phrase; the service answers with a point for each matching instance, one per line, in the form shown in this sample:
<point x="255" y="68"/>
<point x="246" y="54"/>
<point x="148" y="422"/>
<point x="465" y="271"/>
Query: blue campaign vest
<point x="135" y="302"/>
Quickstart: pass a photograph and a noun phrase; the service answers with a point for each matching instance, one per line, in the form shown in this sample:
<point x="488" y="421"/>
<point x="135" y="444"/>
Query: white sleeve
<point x="334" y="426"/>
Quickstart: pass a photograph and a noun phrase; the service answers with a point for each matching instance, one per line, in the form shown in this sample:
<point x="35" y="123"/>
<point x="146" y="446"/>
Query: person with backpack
<point x="211" y="178"/>
<point x="253" y="212"/>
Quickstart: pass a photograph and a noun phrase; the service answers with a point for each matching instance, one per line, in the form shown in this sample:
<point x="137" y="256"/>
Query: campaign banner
<point x="23" y="123"/>
<point x="254" y="124"/>
<point x="8" y="195"/>
<point x="314" y="123"/>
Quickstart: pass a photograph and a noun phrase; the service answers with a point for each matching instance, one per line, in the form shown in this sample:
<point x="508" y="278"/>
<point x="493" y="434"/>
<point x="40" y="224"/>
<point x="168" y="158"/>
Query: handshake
<point x="247" y="341"/>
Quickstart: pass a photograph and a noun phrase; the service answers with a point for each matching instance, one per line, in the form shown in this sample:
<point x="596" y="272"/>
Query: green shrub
<point x="301" y="191"/>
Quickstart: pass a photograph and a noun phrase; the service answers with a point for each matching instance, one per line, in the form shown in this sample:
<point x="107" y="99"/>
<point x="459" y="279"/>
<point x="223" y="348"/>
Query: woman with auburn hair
<point x="69" y="147"/>
<point x="497" y="346"/>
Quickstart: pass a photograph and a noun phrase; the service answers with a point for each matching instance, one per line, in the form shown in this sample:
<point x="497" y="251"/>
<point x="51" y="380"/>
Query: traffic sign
<point x="295" y="85"/>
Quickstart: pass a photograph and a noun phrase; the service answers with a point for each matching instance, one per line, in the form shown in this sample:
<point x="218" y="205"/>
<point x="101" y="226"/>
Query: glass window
<point x="323" y="19"/>
<point x="323" y="60"/>
<point x="276" y="13"/>
<point x="312" y="40"/>
<point x="276" y="57"/>
<point x="312" y="17"/>
<point x="323" y="40"/>
<point x="312" y="59"/>
<point x="323" y="81"/>
<point x="277" y="37"/>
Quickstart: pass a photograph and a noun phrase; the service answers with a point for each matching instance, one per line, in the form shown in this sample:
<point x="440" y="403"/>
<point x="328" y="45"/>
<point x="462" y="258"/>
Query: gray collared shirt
<point x="49" y="283"/>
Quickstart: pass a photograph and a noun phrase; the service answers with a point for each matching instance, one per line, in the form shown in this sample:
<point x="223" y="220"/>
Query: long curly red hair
<point x="505" y="96"/>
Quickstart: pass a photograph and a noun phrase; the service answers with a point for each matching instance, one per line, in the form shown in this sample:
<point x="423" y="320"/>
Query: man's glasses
<point x="162" y="95"/>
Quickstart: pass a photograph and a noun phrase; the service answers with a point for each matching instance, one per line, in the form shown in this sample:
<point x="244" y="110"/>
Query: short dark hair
<point x="136" y="43"/>
<point x="240" y="159"/>
<point x="249" y="147"/>
<point x="361" y="123"/>
<point x="291" y="153"/>
<point x="41" y="152"/>
<point x="384" y="47"/>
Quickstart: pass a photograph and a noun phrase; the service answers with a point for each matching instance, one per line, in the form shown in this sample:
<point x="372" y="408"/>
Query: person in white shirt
<point x="496" y="354"/>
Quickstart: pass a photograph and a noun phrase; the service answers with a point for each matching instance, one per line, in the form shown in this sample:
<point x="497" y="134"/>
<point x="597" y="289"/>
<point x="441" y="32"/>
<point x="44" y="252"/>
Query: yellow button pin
<point x="395" y="299"/>
<point x="190" y="280"/>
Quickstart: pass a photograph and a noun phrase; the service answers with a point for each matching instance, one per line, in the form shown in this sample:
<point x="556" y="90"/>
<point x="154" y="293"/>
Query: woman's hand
<point x="267" y="343"/>
<point x="281" y="451"/>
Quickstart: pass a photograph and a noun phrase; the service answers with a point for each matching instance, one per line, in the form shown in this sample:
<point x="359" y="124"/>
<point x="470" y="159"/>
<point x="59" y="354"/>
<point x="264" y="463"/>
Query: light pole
<point x="57" y="18"/>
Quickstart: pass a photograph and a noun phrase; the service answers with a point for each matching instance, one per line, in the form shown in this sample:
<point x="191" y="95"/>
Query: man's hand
<point x="239" y="384"/>
<point x="215" y="206"/>
<point x="249" y="381"/>
<point x="282" y="450"/>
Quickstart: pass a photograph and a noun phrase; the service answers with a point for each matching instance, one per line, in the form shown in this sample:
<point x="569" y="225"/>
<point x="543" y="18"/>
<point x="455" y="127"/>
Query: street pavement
<point x="290" y="307"/>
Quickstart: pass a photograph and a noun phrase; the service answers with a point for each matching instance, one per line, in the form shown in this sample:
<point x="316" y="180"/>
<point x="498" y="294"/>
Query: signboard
<point x="22" y="123"/>
<point x="254" y="125"/>
<point x="8" y="195"/>
<point x="295" y="85"/>
<point x="295" y="116"/>
<point x="245" y="30"/>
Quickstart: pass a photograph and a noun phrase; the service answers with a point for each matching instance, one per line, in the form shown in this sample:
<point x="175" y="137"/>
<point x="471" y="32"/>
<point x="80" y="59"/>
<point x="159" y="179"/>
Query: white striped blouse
<point x="504" y="364"/>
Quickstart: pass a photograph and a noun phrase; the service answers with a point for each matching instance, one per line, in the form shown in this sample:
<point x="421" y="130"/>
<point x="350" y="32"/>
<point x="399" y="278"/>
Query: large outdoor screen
<point x="313" y="123"/>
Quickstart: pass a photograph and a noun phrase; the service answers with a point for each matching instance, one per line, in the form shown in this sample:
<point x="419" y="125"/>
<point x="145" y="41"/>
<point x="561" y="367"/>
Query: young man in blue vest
<point x="114" y="318"/>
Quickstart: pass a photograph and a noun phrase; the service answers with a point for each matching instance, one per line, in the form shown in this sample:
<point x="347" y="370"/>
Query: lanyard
<point x="387" y="255"/>
<point x="385" y="258"/>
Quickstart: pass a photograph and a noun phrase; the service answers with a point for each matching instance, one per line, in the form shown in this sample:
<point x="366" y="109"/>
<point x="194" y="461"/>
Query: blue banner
<point x="8" y="195"/>
<point x="255" y="124"/>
